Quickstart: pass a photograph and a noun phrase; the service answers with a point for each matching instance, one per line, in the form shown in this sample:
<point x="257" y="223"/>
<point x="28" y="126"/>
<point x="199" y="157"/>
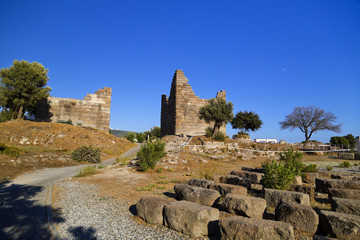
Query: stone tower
<point x="180" y="112"/>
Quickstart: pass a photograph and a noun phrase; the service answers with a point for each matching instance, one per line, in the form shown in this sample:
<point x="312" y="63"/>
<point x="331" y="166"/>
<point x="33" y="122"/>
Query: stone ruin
<point x="92" y="111"/>
<point x="180" y="112"/>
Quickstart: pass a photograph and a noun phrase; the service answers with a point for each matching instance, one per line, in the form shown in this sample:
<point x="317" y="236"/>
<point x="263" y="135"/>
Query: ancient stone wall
<point x="180" y="112"/>
<point x="92" y="111"/>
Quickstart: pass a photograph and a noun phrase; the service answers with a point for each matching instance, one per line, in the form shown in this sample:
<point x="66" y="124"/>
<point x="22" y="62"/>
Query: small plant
<point x="159" y="170"/>
<point x="150" y="153"/>
<point x="65" y="122"/>
<point x="329" y="167"/>
<point x="208" y="174"/>
<point x="253" y="146"/>
<point x="101" y="166"/>
<point x="310" y="168"/>
<point x="345" y="164"/>
<point x="87" y="171"/>
<point x="130" y="136"/>
<point x="147" y="188"/>
<point x="86" y="154"/>
<point x="160" y="187"/>
<point x="140" y="137"/>
<point x="162" y="182"/>
<point x="208" y="132"/>
<point x="175" y="181"/>
<point x="356" y="164"/>
<point x="10" y="150"/>
<point x="219" y="136"/>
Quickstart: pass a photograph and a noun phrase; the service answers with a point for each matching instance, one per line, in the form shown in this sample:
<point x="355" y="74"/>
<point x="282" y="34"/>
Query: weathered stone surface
<point x="241" y="228"/>
<point x="274" y="197"/>
<point x="254" y="177"/>
<point x="235" y="180"/>
<point x="344" y="193"/>
<point x="298" y="180"/>
<point x="207" y="197"/>
<point x="150" y="209"/>
<point x="200" y="182"/>
<point x="340" y="225"/>
<point x="310" y="190"/>
<point x="191" y="218"/>
<point x="348" y="156"/>
<point x="224" y="188"/>
<point x="343" y="205"/>
<point x="323" y="184"/>
<point x="251" y="169"/>
<point x="245" y="206"/>
<point x="300" y="216"/>
<point x="318" y="237"/>
<point x="310" y="177"/>
<point x="345" y="177"/>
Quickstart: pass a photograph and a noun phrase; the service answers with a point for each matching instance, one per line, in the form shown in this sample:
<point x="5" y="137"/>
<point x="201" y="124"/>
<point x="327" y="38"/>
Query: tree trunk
<point x="216" y="129"/>
<point x="20" y="113"/>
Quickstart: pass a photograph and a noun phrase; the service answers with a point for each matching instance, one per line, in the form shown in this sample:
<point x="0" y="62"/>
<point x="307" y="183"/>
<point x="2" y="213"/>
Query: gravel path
<point x="89" y="216"/>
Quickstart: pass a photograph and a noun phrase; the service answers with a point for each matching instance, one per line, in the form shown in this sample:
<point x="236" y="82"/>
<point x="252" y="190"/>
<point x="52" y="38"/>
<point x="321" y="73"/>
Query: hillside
<point x="50" y="145"/>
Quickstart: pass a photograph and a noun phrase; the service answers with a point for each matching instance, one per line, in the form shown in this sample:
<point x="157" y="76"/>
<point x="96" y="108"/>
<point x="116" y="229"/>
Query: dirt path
<point x="25" y="203"/>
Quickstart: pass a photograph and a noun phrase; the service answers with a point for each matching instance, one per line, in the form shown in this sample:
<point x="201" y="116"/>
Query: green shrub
<point x="140" y="137"/>
<point x="345" y="164"/>
<point x="66" y="122"/>
<point x="310" y="168"/>
<point x="10" y="150"/>
<point x="329" y="168"/>
<point x="208" y="131"/>
<point x="278" y="175"/>
<point x="6" y="115"/>
<point x="150" y="153"/>
<point x="219" y="136"/>
<point x="87" y="171"/>
<point x="86" y="154"/>
<point x="130" y="136"/>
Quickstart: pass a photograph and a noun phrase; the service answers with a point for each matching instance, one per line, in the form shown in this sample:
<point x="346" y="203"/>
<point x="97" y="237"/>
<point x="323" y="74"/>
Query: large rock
<point x="300" y="216"/>
<point x="274" y="197"/>
<point x="191" y="218"/>
<point x="224" y="188"/>
<point x="345" y="177"/>
<point x="343" y="205"/>
<point x="200" y="182"/>
<point x="245" y="206"/>
<point x="323" y="184"/>
<point x="344" y="193"/>
<point x="207" y="197"/>
<point x="254" y="177"/>
<point x="150" y="209"/>
<point x="340" y="225"/>
<point x="251" y="169"/>
<point x="348" y="156"/>
<point x="241" y="228"/>
<point x="235" y="180"/>
<point x="308" y="189"/>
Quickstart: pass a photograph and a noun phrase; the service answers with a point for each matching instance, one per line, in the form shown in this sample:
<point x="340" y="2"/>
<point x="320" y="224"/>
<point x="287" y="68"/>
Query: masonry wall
<point x="92" y="111"/>
<point x="180" y="112"/>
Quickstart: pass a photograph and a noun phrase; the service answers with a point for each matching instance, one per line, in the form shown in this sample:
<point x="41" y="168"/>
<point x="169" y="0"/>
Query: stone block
<point x="207" y="197"/>
<point x="241" y="228"/>
<point x="308" y="189"/>
<point x="298" y="180"/>
<point x="300" y="216"/>
<point x="191" y="218"/>
<point x="345" y="177"/>
<point x="323" y="184"/>
<point x="245" y="206"/>
<point x="340" y="225"/>
<point x="200" y="182"/>
<point x="343" y="205"/>
<point x="251" y="169"/>
<point x="150" y="209"/>
<point x="224" y="188"/>
<point x="344" y="193"/>
<point x="254" y="177"/>
<point x="235" y="180"/>
<point x="274" y="197"/>
<point x="347" y="156"/>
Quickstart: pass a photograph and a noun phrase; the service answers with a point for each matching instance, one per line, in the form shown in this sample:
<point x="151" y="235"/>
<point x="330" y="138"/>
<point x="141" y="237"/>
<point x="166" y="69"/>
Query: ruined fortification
<point x="180" y="112"/>
<point x="92" y="111"/>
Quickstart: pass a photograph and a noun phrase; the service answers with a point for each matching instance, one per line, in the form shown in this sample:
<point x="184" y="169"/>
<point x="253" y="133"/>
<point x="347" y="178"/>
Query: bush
<point x="66" y="122"/>
<point x="130" y="136"/>
<point x="6" y="115"/>
<point x="86" y="154"/>
<point x="208" y="132"/>
<point x="278" y="175"/>
<point x="293" y="160"/>
<point x="345" y="164"/>
<point x="87" y="171"/>
<point x="155" y="132"/>
<point x="310" y="168"/>
<point x="9" y="150"/>
<point x="219" y="136"/>
<point x="140" y="137"/>
<point x="329" y="168"/>
<point x="149" y="154"/>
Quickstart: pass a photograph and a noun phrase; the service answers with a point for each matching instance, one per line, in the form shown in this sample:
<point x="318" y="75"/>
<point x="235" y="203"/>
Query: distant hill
<point x="119" y="133"/>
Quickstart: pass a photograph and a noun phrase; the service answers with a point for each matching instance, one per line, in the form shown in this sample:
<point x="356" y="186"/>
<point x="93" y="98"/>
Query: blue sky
<point x="269" y="56"/>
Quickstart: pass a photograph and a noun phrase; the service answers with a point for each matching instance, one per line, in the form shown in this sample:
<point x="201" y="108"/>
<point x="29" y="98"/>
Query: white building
<point x="266" y="140"/>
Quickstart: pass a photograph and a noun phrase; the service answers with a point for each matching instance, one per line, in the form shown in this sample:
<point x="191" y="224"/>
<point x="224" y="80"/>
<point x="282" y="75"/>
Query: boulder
<point x="150" y="209"/>
<point x="308" y="189"/>
<point x="340" y="225"/>
<point x="300" y="216"/>
<point x="207" y="197"/>
<point x="343" y="205"/>
<point x="200" y="182"/>
<point x="224" y="188"/>
<point x="235" y="180"/>
<point x="241" y="228"/>
<point x="191" y="218"/>
<point x="344" y="193"/>
<point x="254" y="177"/>
<point x="274" y="197"/>
<point x="251" y="169"/>
<point x="323" y="184"/>
<point x="245" y="206"/>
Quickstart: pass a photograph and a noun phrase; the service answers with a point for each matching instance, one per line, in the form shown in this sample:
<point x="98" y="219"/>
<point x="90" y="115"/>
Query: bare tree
<point x="310" y="119"/>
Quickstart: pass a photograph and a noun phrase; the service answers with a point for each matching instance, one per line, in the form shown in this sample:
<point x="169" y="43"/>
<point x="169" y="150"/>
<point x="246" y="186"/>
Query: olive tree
<point x="310" y="119"/>
<point x="246" y="121"/>
<point x="218" y="111"/>
<point x="22" y="86"/>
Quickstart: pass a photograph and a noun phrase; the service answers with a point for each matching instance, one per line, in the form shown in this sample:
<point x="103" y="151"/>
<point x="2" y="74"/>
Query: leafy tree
<point x="217" y="111"/>
<point x="246" y="121"/>
<point x="310" y="119"/>
<point x="348" y="140"/>
<point x="22" y="86"/>
<point x="155" y="132"/>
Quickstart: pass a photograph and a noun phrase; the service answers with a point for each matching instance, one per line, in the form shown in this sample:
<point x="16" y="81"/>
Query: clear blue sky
<point x="269" y="56"/>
